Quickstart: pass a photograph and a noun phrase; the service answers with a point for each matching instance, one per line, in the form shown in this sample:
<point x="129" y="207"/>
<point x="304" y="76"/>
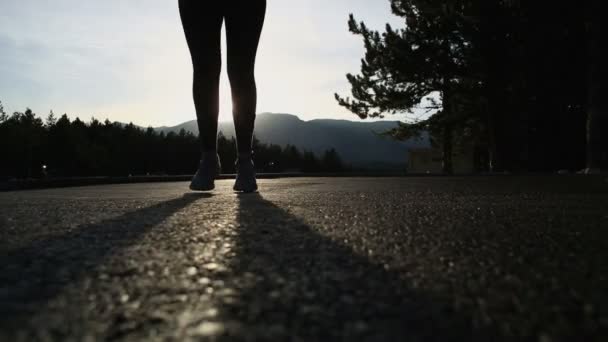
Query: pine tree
<point x="332" y="162"/>
<point x="3" y="115"/>
<point x="51" y="120"/>
<point x="402" y="67"/>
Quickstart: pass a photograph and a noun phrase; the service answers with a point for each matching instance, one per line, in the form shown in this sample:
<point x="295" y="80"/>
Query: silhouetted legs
<point x="202" y="21"/>
<point x="243" y="29"/>
<point x="202" y="26"/>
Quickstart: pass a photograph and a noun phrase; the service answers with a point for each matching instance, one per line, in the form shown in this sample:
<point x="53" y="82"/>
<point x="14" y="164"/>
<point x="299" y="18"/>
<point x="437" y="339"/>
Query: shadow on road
<point x="298" y="284"/>
<point x="31" y="276"/>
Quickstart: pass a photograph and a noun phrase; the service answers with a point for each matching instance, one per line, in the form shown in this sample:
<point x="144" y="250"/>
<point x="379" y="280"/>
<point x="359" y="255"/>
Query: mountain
<point x="358" y="143"/>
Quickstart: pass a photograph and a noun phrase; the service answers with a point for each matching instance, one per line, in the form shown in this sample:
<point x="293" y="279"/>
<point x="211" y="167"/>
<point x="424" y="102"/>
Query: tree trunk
<point x="447" y="138"/>
<point x="492" y="50"/>
<point x="595" y="77"/>
<point x="492" y="153"/>
<point x="447" y="149"/>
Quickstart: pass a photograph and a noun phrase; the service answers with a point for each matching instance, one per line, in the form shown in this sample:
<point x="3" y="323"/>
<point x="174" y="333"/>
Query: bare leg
<point x="203" y="25"/>
<point x="244" y="22"/>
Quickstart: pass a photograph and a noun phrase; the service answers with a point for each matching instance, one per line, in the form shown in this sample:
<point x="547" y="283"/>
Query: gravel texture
<point x="417" y="259"/>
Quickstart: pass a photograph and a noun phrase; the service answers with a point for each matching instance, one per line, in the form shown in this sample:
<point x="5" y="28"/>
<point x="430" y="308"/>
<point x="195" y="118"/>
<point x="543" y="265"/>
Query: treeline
<point x="518" y="82"/>
<point x="60" y="147"/>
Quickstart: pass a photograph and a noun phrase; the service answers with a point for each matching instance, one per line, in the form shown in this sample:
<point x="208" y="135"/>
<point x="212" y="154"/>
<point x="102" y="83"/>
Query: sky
<point x="127" y="60"/>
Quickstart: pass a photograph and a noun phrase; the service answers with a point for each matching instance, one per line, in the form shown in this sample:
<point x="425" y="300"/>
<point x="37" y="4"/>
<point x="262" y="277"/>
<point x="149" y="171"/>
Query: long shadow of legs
<point x="297" y="284"/>
<point x="31" y="276"/>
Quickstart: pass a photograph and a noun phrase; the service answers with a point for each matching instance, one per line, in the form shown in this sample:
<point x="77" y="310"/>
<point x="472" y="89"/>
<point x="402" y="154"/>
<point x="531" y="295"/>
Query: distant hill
<point x="357" y="142"/>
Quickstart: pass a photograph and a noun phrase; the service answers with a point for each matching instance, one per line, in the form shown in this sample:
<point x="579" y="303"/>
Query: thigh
<point x="244" y="22"/>
<point x="202" y="22"/>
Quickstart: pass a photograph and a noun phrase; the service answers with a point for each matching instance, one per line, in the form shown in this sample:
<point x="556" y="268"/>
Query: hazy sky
<point x="127" y="60"/>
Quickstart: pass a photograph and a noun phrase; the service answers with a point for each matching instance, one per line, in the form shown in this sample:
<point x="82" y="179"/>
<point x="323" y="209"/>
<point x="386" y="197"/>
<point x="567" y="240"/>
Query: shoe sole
<point x="205" y="187"/>
<point x="245" y="189"/>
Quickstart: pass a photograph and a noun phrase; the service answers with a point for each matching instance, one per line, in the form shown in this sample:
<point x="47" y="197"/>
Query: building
<point x="429" y="160"/>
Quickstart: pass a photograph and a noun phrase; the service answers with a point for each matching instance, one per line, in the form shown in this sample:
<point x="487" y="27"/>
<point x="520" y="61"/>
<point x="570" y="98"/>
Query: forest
<point x="60" y="147"/>
<point x="520" y="83"/>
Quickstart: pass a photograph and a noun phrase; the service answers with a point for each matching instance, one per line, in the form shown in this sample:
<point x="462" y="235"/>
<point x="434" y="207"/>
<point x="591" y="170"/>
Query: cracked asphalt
<point x="309" y="259"/>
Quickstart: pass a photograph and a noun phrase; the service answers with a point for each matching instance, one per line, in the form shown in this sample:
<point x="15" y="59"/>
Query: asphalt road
<point x="417" y="259"/>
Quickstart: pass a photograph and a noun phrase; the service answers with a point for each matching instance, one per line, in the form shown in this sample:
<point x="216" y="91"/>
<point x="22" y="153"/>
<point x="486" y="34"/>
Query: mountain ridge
<point x="358" y="143"/>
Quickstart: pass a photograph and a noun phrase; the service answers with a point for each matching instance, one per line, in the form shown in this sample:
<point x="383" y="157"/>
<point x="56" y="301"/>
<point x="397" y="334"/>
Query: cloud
<point x="128" y="60"/>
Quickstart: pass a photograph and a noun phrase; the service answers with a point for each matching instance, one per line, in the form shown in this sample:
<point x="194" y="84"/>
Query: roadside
<point x="49" y="183"/>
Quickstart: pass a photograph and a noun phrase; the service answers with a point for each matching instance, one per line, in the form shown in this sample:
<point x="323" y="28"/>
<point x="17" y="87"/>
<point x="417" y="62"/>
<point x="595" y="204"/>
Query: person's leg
<point x="244" y="21"/>
<point x="203" y="25"/>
